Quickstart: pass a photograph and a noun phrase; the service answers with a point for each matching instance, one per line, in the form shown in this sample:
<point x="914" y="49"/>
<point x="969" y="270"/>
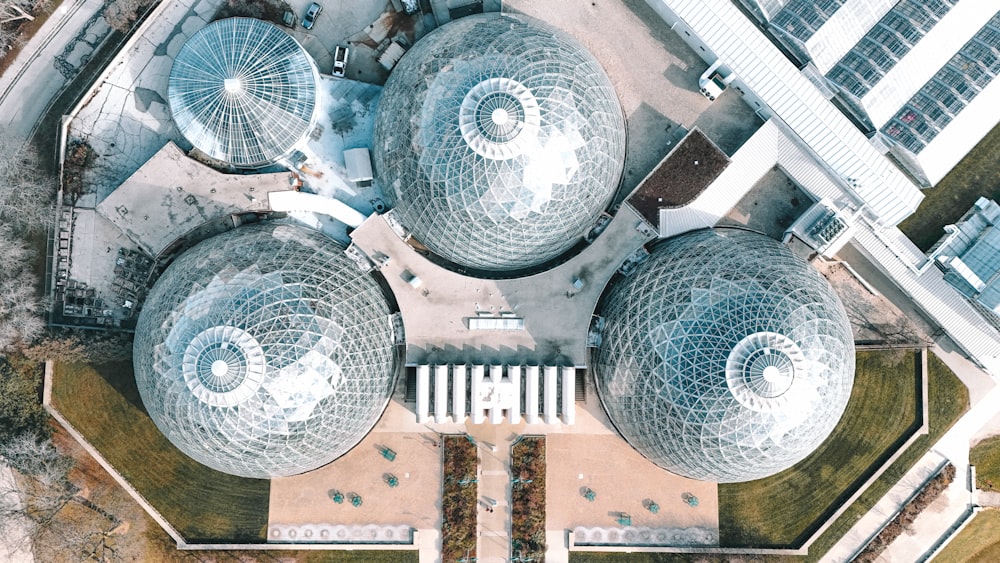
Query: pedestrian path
<point x="494" y="442"/>
<point x="15" y="547"/>
<point x="937" y="519"/>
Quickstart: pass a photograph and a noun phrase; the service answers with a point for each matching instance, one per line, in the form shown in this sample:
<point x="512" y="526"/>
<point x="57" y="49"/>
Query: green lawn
<point x="975" y="176"/>
<point x="979" y="541"/>
<point x="785" y="509"/>
<point x="204" y="505"/>
<point x="949" y="399"/>
<point x="986" y="457"/>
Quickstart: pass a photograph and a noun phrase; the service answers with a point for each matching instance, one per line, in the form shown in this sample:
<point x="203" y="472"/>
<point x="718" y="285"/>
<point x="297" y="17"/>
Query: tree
<point x="58" y="515"/>
<point x="21" y="413"/>
<point x="85" y="346"/>
<point x="872" y="324"/>
<point x="20" y="308"/>
<point x="27" y="191"/>
<point x="19" y="10"/>
<point x="121" y="14"/>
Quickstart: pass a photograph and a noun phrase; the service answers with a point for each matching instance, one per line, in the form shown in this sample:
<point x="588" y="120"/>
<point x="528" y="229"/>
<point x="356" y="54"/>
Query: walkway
<point x="14" y="544"/>
<point x="53" y="56"/>
<point x="494" y="487"/>
<point x="935" y="521"/>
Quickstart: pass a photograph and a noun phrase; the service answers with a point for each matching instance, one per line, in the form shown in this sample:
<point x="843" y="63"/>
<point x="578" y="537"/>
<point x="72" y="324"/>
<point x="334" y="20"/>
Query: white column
<point x="531" y="395"/>
<point x="440" y="394"/>
<point x="478" y="415"/>
<point x="569" y="395"/>
<point x="496" y="413"/>
<point x="458" y="393"/>
<point x="551" y="385"/>
<point x="514" y="374"/>
<point x="423" y="392"/>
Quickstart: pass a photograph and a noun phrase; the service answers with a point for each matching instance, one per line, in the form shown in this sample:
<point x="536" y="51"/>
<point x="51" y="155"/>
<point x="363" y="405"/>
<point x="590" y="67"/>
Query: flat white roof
<point x="793" y="98"/>
<point x="926" y="58"/>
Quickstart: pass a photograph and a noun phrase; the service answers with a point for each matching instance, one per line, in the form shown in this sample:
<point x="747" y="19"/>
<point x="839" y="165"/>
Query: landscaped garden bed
<point x="680" y="177"/>
<point x="931" y="490"/>
<point x="458" y="503"/>
<point x="527" y="499"/>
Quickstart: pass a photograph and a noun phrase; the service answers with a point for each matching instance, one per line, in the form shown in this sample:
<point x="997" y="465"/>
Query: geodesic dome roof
<point x="724" y="356"/>
<point x="243" y="91"/>
<point x="265" y="352"/>
<point x="500" y="139"/>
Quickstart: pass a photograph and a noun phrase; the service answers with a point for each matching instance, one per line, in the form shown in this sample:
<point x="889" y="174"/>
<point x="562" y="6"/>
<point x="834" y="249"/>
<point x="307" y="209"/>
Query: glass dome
<point x="265" y="352"/>
<point x="500" y="140"/>
<point x="243" y="91"/>
<point x="724" y="357"/>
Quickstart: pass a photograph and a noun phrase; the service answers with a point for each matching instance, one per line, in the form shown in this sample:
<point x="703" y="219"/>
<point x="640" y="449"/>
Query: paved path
<point x="52" y="57"/>
<point x="494" y="487"/>
<point x="14" y="547"/>
<point x="935" y="521"/>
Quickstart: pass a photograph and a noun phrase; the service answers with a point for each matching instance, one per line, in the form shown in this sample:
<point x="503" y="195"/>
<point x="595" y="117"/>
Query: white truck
<point x="340" y="60"/>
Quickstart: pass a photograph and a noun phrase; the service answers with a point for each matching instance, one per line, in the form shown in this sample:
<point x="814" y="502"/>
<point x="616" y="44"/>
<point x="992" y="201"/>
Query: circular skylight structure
<point x="265" y="352"/>
<point x="724" y="357"/>
<point x="499" y="140"/>
<point x="243" y="91"/>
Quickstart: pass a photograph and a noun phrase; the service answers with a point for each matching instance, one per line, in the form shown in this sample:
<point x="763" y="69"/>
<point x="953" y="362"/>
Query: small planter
<point x="527" y="466"/>
<point x="458" y="504"/>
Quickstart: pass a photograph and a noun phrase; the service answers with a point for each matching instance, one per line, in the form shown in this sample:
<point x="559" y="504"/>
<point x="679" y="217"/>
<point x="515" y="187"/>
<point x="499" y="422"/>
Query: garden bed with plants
<point x="527" y="499"/>
<point x="458" y="503"/>
<point x="907" y="514"/>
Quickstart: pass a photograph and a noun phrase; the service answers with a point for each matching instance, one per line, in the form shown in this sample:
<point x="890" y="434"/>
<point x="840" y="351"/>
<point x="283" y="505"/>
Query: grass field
<point x="979" y="541"/>
<point x="975" y="176"/>
<point x="783" y="510"/>
<point x="204" y="505"/>
<point x="986" y="457"/>
<point x="948" y="399"/>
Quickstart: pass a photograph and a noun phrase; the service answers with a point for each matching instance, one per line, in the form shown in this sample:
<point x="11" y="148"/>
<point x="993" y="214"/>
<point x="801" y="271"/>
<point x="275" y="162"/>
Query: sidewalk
<point x="14" y="546"/>
<point x="53" y="56"/>
<point x="936" y="520"/>
<point x="494" y="442"/>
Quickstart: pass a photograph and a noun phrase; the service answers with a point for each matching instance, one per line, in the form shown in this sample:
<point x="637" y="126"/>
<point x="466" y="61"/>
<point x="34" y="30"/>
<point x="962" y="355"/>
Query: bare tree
<point x="58" y="515"/>
<point x="121" y="14"/>
<point x="19" y="10"/>
<point x="27" y="191"/>
<point x="69" y="345"/>
<point x="20" y="306"/>
<point x="890" y="331"/>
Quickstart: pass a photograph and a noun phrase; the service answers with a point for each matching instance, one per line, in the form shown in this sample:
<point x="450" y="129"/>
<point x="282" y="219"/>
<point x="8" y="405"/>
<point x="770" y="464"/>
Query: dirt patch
<point x="770" y="207"/>
<point x="680" y="177"/>
<point x="874" y="319"/>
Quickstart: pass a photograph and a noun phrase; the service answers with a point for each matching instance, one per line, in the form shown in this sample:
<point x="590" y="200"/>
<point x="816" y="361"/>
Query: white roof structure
<point x="970" y="254"/>
<point x="724" y="357"/>
<point x="243" y="91"/>
<point x="918" y="72"/>
<point x="265" y="351"/>
<point x="790" y="96"/>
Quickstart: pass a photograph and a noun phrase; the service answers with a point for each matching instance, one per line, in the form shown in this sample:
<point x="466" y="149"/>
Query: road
<point x="50" y="59"/>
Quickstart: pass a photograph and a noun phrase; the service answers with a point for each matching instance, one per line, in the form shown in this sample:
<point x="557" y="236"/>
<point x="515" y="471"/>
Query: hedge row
<point x="527" y="468"/>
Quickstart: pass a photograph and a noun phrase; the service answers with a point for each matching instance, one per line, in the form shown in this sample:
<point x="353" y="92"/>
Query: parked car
<point x="340" y="60"/>
<point x="311" y="14"/>
<point x="288" y="19"/>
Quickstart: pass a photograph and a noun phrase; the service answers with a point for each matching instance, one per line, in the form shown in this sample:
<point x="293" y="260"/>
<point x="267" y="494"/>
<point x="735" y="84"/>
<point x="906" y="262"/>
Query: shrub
<point x="458" y="503"/>
<point x="907" y="515"/>
<point x="528" y="498"/>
